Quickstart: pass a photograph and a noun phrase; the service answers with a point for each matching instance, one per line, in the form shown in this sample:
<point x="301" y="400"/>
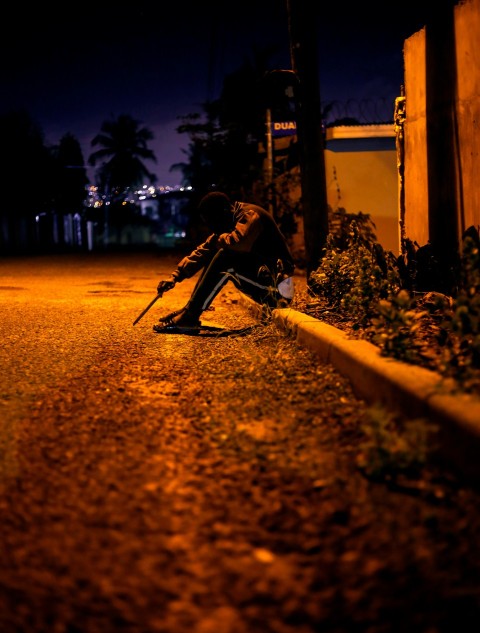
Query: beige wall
<point x="366" y="181"/>
<point x="361" y="177"/>
<point x="415" y="134"/>
<point x="467" y="45"/>
<point x="427" y="195"/>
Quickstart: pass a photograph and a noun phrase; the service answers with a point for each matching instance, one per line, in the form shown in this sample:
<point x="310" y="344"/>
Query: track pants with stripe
<point x="251" y="276"/>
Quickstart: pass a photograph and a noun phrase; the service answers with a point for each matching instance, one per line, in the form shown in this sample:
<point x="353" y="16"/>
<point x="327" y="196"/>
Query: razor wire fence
<point x="368" y="111"/>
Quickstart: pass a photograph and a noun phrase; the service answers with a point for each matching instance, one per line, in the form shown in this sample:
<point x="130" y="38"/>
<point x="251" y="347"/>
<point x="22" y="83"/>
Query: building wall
<point x="423" y="183"/>
<point x="467" y="53"/>
<point x="441" y="131"/>
<point x="415" y="135"/>
<point x="361" y="176"/>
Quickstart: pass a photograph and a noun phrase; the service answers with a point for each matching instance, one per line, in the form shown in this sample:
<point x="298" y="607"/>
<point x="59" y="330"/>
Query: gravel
<point x="173" y="483"/>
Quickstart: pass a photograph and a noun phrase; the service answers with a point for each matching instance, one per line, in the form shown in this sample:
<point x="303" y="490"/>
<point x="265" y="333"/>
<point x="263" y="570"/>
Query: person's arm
<point x="246" y="231"/>
<point x="190" y="264"/>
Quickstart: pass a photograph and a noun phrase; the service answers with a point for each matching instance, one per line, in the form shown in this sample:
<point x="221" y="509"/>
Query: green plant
<point x="373" y="292"/>
<point x="346" y="228"/>
<point x="394" y="330"/>
<point x="392" y="446"/>
<point x="461" y="323"/>
<point x="355" y="271"/>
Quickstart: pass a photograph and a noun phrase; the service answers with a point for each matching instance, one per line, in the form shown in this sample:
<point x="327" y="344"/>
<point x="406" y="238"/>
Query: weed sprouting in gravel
<point x="392" y="446"/>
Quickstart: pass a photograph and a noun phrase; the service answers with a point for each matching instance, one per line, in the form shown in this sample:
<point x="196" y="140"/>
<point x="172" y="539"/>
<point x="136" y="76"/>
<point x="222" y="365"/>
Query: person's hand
<point x="165" y="285"/>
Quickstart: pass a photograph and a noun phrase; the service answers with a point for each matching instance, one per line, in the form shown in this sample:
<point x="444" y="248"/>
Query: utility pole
<point x="302" y="18"/>
<point x="269" y="159"/>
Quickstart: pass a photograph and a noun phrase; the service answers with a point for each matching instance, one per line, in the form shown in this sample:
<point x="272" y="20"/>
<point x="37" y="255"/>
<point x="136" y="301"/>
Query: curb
<point x="412" y="391"/>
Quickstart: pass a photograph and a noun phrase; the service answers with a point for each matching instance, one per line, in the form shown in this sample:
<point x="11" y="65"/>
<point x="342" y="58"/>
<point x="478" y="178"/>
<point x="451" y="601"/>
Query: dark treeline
<point x="226" y="150"/>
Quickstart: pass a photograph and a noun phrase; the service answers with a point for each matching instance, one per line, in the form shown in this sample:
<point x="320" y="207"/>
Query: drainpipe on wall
<point x="399" y="119"/>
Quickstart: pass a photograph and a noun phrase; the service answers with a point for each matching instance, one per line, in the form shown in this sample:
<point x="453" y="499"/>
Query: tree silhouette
<point x="26" y="179"/>
<point x="123" y="149"/>
<point x="71" y="179"/>
<point x="224" y="142"/>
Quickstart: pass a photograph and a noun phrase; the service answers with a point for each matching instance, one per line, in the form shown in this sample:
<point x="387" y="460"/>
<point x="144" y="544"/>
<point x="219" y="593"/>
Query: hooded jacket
<point x="254" y="233"/>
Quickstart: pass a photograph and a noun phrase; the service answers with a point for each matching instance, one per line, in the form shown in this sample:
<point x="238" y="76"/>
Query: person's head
<point x="215" y="210"/>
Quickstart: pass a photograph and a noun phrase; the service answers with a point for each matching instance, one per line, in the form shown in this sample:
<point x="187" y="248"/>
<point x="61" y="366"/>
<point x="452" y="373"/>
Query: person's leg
<point x="242" y="271"/>
<point x="261" y="285"/>
<point x="212" y="279"/>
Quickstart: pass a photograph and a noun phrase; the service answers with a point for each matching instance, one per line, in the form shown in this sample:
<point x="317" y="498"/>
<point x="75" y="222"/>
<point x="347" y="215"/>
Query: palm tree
<point x="123" y="149"/>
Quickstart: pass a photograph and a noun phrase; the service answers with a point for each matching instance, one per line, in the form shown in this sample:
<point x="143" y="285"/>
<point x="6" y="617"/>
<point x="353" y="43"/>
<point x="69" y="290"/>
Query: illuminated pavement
<point x="169" y="484"/>
<point x="95" y="297"/>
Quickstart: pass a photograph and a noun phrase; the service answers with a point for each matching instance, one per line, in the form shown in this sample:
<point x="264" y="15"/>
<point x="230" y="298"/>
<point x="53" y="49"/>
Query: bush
<point x="376" y="292"/>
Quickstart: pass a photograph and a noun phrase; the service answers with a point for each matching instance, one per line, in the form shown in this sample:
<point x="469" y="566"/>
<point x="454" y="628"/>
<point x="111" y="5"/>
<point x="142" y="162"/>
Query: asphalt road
<point x="154" y="483"/>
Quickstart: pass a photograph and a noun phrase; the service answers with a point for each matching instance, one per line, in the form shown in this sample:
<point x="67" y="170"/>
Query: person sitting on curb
<point x="246" y="247"/>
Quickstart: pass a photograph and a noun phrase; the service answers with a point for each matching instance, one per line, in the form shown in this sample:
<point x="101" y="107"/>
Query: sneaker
<point x="180" y="319"/>
<point x="171" y="315"/>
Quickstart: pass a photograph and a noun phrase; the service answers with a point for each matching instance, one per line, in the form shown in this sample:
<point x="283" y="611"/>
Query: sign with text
<point x="284" y="128"/>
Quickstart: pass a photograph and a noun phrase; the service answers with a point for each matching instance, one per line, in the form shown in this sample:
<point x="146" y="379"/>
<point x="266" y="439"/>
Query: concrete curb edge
<point x="411" y="391"/>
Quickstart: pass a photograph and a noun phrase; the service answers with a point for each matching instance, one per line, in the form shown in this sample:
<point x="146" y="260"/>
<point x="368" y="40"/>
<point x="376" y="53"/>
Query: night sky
<point x="76" y="65"/>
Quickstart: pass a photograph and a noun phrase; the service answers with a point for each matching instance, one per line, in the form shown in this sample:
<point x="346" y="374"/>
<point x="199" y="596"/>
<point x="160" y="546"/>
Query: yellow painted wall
<point x="362" y="176"/>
